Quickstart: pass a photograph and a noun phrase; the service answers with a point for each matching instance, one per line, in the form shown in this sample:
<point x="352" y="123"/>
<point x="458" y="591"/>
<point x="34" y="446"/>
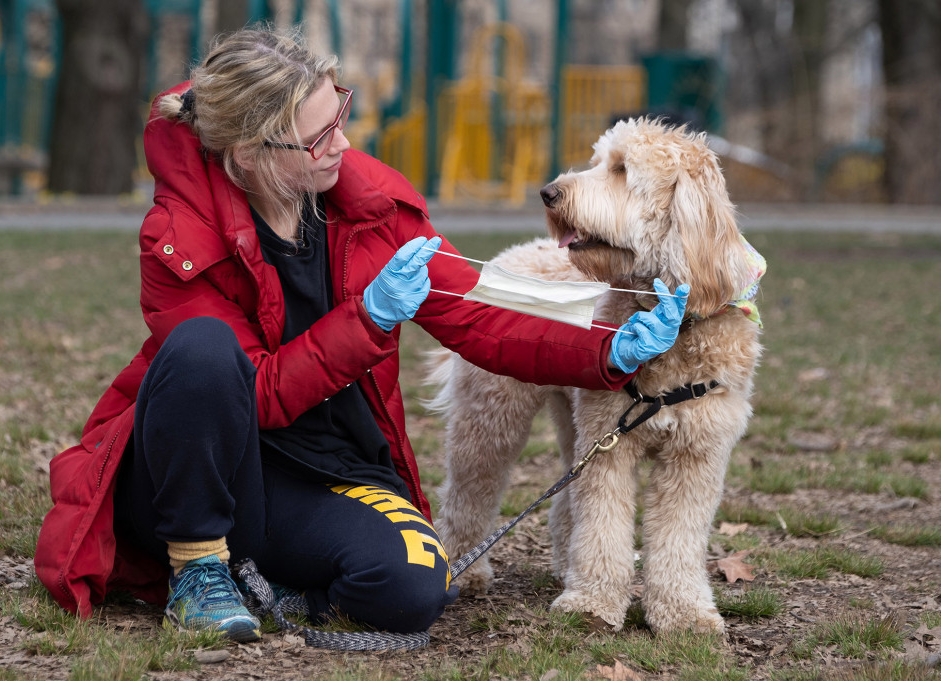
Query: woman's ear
<point x="243" y="158"/>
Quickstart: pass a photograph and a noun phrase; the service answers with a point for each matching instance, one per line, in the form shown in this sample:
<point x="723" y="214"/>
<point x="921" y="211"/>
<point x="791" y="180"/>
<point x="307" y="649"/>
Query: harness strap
<point x="690" y="391"/>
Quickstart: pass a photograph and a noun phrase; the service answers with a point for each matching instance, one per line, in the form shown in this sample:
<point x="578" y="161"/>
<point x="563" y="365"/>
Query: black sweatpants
<point x="196" y="473"/>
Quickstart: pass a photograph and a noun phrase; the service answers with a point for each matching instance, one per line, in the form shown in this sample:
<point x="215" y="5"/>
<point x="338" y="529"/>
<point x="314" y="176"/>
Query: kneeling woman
<point x="263" y="417"/>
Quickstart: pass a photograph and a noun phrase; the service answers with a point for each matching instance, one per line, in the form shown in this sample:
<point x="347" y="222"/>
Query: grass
<point x="795" y="522"/>
<point x="908" y="535"/>
<point x="855" y="637"/>
<point x="818" y="563"/>
<point x="69" y="305"/>
<point x="751" y="604"/>
<point x="102" y="651"/>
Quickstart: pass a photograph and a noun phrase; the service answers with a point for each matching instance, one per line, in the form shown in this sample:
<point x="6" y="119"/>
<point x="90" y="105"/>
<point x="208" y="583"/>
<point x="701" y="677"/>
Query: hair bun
<point x="189" y="100"/>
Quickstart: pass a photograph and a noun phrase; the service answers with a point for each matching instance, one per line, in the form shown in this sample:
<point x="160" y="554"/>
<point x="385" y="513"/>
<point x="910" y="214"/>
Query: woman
<point x="263" y="418"/>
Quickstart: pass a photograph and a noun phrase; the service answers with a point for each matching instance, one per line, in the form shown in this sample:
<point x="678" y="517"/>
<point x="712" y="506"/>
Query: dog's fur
<point x="652" y="204"/>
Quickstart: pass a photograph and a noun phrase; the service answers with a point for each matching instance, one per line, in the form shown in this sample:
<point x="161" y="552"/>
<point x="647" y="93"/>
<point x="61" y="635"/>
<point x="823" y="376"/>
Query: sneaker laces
<point x="208" y="582"/>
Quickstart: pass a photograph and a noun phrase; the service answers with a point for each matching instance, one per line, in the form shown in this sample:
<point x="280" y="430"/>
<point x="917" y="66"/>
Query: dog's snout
<point x="550" y="193"/>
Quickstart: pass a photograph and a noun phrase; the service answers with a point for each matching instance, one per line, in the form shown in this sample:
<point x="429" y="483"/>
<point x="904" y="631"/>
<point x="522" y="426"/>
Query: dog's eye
<point x="618" y="168"/>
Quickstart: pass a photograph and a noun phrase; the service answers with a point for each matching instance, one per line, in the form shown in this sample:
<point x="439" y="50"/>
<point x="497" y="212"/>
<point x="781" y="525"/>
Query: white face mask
<point x="572" y="302"/>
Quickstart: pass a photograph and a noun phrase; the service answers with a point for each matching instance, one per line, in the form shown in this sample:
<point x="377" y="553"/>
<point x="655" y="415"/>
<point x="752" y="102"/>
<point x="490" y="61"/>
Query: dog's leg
<point x="684" y="493"/>
<point x="488" y="424"/>
<point x="560" y="515"/>
<point x="600" y="555"/>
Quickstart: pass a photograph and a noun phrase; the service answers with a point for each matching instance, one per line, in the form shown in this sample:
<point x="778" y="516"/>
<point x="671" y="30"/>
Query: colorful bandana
<point x="746" y="299"/>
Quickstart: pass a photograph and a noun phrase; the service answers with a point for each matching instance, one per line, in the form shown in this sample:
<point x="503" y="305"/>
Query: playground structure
<point x="489" y="135"/>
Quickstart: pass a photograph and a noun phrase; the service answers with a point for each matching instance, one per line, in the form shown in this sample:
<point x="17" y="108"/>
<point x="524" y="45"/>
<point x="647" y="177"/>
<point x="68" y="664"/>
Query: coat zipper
<point x="400" y="439"/>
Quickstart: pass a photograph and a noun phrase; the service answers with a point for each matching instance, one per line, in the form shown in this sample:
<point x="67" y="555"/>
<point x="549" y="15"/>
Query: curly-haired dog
<point x="652" y="204"/>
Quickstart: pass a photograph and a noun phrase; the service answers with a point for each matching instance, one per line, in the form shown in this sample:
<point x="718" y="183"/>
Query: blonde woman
<point x="262" y="417"/>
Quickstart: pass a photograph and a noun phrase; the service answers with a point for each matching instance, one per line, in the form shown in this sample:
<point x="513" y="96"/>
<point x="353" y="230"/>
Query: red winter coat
<point x="200" y="257"/>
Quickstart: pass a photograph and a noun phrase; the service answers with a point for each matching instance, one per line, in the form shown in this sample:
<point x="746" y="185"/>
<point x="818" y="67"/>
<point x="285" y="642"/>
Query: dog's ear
<point x="703" y="224"/>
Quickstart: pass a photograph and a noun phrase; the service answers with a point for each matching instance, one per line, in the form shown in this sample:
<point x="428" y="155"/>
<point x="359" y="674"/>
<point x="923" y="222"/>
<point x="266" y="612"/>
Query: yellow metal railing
<point x="592" y="97"/>
<point x="495" y="127"/>
<point x="495" y="130"/>
<point x="401" y="144"/>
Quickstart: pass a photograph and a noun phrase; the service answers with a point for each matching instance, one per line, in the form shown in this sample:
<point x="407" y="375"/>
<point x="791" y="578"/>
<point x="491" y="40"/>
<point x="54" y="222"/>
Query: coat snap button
<point x="168" y="249"/>
<point x="187" y="265"/>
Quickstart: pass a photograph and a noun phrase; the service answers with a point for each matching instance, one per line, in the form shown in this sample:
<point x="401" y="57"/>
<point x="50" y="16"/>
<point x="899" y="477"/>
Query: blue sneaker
<point x="203" y="596"/>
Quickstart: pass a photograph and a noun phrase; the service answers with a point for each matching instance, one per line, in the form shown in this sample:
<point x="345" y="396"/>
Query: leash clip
<point x="605" y="444"/>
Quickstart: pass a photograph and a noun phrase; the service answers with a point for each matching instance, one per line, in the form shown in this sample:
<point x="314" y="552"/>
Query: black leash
<point x="263" y="600"/>
<point x="605" y="444"/>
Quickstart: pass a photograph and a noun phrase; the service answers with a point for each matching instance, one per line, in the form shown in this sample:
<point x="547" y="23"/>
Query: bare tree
<point x="231" y="15"/>
<point x="777" y="62"/>
<point x="672" y="23"/>
<point x="911" y="58"/>
<point x="98" y="104"/>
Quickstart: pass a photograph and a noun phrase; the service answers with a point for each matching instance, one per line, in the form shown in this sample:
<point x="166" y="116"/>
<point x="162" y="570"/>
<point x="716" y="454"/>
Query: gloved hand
<point x="395" y="295"/>
<point x="648" y="334"/>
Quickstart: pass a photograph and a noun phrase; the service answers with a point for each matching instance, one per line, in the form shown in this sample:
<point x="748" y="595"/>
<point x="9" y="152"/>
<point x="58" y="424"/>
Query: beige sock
<point x="181" y="552"/>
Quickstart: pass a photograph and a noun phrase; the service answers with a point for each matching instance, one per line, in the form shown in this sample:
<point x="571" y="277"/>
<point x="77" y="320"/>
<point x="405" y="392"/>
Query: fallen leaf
<point x="618" y="672"/>
<point x="732" y="529"/>
<point x="734" y="568"/>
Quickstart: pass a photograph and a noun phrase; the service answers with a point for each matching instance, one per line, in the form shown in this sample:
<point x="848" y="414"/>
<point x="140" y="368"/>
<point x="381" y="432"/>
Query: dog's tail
<point x="438" y="369"/>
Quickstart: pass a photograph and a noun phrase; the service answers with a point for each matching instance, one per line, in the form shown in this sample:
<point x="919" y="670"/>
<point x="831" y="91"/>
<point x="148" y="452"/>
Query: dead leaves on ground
<point x="734" y="567"/>
<point x="616" y="672"/>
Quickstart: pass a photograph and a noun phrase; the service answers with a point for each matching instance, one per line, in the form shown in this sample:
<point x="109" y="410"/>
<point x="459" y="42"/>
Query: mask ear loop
<point x="484" y="262"/>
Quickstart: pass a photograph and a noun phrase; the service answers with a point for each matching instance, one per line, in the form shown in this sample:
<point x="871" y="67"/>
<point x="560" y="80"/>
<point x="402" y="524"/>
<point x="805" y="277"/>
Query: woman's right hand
<point x="395" y="295"/>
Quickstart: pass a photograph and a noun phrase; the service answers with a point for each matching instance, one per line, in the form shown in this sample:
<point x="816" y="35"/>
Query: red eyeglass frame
<point x="326" y="136"/>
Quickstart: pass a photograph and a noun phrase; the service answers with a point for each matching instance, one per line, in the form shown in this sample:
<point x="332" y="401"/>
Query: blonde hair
<point x="248" y="90"/>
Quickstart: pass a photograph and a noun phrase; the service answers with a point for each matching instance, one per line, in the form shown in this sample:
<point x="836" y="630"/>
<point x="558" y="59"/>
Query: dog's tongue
<point x="567" y="239"/>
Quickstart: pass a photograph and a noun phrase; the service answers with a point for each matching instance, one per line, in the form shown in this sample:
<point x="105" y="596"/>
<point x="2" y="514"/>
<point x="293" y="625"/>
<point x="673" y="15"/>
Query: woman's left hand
<point x="648" y="334"/>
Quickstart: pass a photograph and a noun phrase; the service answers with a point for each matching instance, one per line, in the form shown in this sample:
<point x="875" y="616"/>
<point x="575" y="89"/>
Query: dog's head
<point x="652" y="204"/>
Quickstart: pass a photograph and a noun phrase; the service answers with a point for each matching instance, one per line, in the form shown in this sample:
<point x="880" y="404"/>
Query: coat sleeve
<point x="524" y="347"/>
<point x="336" y="351"/>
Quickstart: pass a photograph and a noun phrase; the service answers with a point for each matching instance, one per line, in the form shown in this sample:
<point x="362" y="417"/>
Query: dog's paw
<point x="612" y="614"/>
<point x="663" y="619"/>
<point x="476" y="580"/>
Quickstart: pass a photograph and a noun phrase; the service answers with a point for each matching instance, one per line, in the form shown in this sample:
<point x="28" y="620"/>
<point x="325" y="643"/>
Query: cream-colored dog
<point x="652" y="204"/>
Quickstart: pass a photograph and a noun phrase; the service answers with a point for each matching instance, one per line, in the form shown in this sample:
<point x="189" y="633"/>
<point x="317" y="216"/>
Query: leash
<point x="607" y="442"/>
<point x="262" y="600"/>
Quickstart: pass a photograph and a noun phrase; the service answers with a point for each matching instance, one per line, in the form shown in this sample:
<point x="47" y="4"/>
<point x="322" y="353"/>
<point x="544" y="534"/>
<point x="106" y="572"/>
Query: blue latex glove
<point x="648" y="334"/>
<point x="402" y="286"/>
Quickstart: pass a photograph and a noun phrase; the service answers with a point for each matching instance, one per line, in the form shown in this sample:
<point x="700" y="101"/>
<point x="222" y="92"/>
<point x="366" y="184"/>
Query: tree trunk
<point x="808" y="57"/>
<point x="98" y="97"/>
<point x="911" y="62"/>
<point x="672" y="24"/>
<point x="231" y="15"/>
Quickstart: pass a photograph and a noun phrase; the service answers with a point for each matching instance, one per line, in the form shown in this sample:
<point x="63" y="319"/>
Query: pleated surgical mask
<point x="571" y="302"/>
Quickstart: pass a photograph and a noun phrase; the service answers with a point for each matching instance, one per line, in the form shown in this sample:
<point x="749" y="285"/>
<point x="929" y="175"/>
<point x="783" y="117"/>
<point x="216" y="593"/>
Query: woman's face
<point x="317" y="114"/>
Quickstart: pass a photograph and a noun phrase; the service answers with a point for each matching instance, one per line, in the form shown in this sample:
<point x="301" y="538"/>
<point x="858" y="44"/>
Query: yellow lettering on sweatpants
<point x="415" y="543"/>
<point x="398" y="510"/>
<point x="356" y="492"/>
<point x="387" y="503"/>
<point x="399" y="517"/>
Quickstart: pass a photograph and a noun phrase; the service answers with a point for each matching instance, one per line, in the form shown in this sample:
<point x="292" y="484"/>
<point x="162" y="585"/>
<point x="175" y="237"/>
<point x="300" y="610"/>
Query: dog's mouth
<point x="575" y="240"/>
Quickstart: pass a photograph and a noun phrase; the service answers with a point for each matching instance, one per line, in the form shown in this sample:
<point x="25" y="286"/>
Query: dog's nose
<point x="549" y="194"/>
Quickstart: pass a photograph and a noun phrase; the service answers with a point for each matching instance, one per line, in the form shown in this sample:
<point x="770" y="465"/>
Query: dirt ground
<point x="909" y="586"/>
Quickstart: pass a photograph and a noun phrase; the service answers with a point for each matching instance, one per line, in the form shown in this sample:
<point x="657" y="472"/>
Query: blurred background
<point x="481" y="101"/>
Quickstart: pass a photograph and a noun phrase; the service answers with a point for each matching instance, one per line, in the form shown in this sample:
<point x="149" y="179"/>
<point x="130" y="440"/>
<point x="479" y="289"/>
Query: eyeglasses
<point x="322" y="143"/>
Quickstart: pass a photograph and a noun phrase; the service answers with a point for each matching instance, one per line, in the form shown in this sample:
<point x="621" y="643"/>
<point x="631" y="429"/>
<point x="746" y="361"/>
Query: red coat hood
<point x="183" y="171"/>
